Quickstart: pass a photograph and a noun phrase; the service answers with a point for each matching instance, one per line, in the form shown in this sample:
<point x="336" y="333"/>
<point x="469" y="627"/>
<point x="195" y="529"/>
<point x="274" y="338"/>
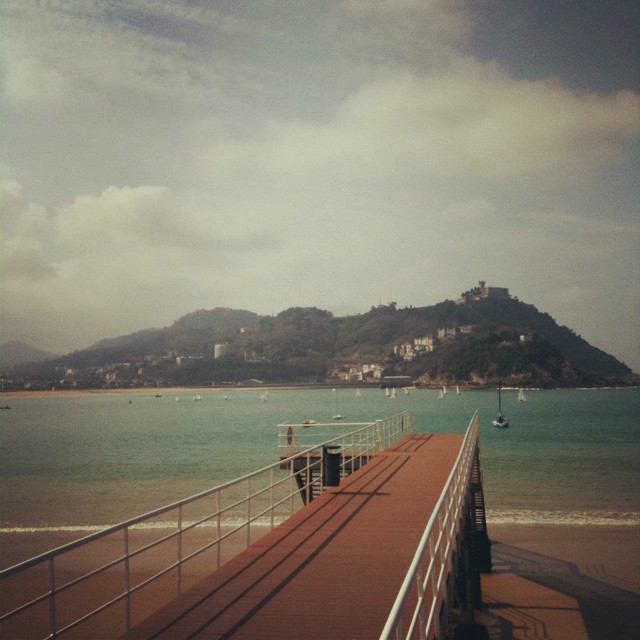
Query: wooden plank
<point x="333" y="569"/>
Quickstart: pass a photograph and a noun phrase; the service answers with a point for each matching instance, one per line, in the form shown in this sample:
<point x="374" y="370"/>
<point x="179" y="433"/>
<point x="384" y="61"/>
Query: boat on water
<point x="500" y="422"/>
<point x="521" y="396"/>
<point x="441" y="395"/>
<point x="444" y="390"/>
<point x="457" y="390"/>
<point x="337" y="415"/>
<point x="5" y="406"/>
<point x="387" y="392"/>
<point x="358" y="394"/>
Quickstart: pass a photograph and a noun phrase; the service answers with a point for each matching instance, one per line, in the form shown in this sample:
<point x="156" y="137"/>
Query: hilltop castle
<point x="482" y="291"/>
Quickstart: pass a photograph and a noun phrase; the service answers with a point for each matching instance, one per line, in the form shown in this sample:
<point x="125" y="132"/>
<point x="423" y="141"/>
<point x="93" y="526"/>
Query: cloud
<point x="471" y="120"/>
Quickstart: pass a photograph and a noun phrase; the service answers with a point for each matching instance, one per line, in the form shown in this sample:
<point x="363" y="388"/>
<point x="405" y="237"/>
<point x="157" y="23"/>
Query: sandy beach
<point x="563" y="582"/>
<point x="552" y="582"/>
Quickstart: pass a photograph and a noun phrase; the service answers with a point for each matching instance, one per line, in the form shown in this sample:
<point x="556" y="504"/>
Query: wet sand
<point x="548" y="582"/>
<point x="561" y="582"/>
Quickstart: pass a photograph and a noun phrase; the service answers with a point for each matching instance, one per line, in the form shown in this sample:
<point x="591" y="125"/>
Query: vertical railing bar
<point x="52" y="598"/>
<point x="421" y="604"/>
<point x="271" y="496"/>
<point x="180" y="550"/>
<point x="248" y="511"/>
<point x="218" y="530"/>
<point x="127" y="580"/>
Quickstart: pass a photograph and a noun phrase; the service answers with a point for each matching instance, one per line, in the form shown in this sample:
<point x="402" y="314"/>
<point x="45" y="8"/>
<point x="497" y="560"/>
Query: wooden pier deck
<point x="333" y="569"/>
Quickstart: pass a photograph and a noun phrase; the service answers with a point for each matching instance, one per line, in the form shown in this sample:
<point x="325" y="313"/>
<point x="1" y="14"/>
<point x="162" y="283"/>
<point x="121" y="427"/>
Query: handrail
<point x="446" y="513"/>
<point x="268" y="494"/>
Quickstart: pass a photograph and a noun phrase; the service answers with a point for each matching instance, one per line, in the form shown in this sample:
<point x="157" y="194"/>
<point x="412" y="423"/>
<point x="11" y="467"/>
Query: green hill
<point x="473" y="343"/>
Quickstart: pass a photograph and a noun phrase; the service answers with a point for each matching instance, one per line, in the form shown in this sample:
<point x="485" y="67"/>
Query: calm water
<point x="91" y="460"/>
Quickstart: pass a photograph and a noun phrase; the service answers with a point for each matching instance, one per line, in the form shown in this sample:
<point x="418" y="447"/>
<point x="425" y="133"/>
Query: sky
<point x="159" y="157"/>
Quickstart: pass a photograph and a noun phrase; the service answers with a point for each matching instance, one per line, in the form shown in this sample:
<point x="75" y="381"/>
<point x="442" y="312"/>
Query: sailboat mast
<point x="499" y="400"/>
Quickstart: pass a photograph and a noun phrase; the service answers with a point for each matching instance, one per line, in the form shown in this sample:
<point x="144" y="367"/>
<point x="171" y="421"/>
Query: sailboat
<point x="444" y="390"/>
<point x="338" y="415"/>
<point x="521" y="396"/>
<point x="441" y="395"/>
<point x="358" y="394"/>
<point x="387" y="392"/>
<point x="457" y="390"/>
<point x="500" y="422"/>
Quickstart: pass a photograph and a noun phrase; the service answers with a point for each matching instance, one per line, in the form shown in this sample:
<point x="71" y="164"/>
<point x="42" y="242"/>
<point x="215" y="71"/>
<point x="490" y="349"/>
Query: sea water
<point x="81" y="462"/>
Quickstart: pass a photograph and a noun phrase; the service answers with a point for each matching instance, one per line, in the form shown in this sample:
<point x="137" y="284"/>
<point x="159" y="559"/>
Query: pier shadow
<point x="608" y="612"/>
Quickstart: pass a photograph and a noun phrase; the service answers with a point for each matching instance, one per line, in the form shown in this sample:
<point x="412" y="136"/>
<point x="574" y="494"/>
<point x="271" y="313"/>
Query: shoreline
<point x="548" y="581"/>
<point x="54" y="393"/>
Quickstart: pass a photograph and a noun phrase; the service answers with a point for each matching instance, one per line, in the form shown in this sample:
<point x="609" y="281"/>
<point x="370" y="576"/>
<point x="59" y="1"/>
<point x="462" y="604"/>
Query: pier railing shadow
<point x="608" y="612"/>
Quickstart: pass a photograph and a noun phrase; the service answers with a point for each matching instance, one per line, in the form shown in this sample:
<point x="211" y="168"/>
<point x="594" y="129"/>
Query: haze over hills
<point x="16" y="352"/>
<point x="483" y="336"/>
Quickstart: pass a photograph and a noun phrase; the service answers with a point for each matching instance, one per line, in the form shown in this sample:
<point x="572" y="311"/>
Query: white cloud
<point x="471" y="120"/>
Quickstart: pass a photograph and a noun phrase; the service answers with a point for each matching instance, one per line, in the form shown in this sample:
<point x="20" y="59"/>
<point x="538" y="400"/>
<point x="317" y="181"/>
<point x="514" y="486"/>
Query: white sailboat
<point x="337" y="415"/>
<point x="387" y="392"/>
<point x="441" y="395"/>
<point x="500" y="422"/>
<point x="457" y="390"/>
<point x="358" y="394"/>
<point x="521" y="396"/>
<point x="393" y="393"/>
<point x="444" y="390"/>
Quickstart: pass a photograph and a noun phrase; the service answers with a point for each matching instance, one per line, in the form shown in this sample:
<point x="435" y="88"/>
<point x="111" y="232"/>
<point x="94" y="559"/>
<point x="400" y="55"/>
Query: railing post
<point x="271" y="508"/>
<point x="127" y="580"/>
<point x="218" y="531"/>
<point x="179" y="549"/>
<point x="52" y="598"/>
<point x="421" y="621"/>
<point x="248" y="512"/>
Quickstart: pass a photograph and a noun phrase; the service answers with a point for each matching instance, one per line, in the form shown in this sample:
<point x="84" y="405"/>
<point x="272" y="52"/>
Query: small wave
<point x="230" y="523"/>
<point x="562" y="517"/>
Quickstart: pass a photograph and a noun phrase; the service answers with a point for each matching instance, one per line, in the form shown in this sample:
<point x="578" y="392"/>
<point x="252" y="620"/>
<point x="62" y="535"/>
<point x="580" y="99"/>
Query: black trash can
<point x="331" y="466"/>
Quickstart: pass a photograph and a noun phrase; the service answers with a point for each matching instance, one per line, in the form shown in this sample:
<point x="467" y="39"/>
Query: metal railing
<point x="424" y="585"/>
<point x="177" y="543"/>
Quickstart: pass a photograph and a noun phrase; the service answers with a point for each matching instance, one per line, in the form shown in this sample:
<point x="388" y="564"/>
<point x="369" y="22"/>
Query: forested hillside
<point x="473" y="343"/>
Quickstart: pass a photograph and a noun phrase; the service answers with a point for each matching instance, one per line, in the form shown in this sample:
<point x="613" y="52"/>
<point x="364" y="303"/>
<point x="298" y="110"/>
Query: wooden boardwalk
<point x="333" y="569"/>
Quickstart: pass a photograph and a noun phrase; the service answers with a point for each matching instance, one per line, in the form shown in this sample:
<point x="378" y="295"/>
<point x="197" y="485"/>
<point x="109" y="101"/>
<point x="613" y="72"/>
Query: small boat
<point x="500" y="422"/>
<point x="387" y="392"/>
<point x="309" y="423"/>
<point x="264" y="396"/>
<point x="158" y="395"/>
<point x="441" y="395"/>
<point x="393" y="393"/>
<point x="358" y="394"/>
<point x="5" y="406"/>
<point x="197" y="398"/>
<point x="225" y="397"/>
<point x="406" y="391"/>
<point x="457" y="390"/>
<point x="177" y="399"/>
<point x="337" y="415"/>
<point x="521" y="396"/>
<point x="444" y="390"/>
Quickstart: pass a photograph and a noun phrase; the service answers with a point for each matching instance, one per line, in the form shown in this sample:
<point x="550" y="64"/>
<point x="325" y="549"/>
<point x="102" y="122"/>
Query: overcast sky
<point x="160" y="157"/>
